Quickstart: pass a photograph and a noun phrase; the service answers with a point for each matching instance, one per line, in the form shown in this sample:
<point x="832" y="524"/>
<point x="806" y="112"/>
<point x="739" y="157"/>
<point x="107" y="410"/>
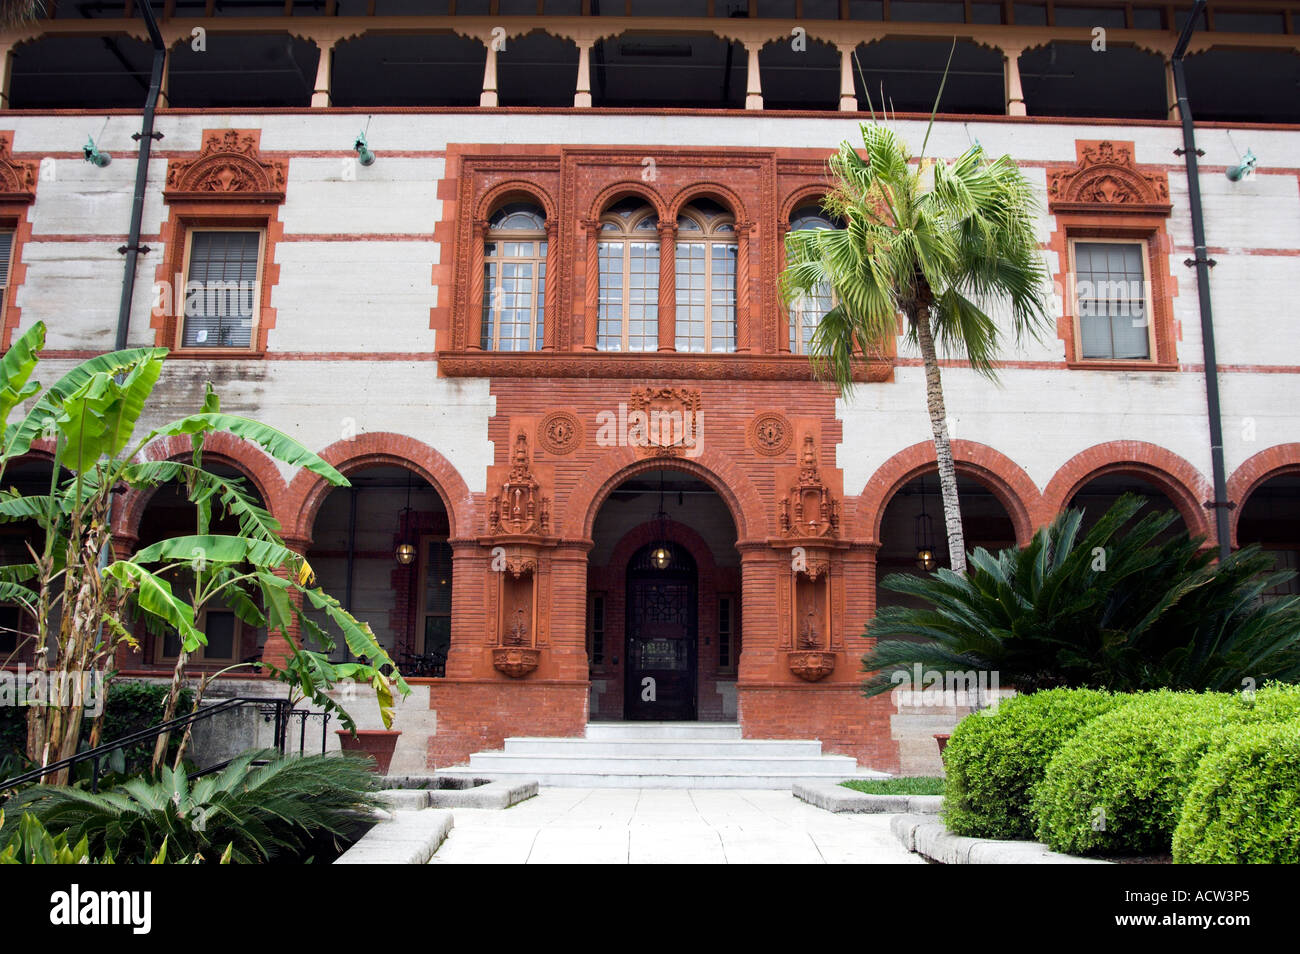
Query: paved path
<point x="703" y="826"/>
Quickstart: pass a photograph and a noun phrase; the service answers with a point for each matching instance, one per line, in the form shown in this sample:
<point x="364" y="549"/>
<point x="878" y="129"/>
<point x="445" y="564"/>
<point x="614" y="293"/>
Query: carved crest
<point x="520" y="507"/>
<point x="810" y="509"/>
<point x="1107" y="179"/>
<point x="664" y="422"/>
<point x="228" y="167"/>
<point x="17" y="176"/>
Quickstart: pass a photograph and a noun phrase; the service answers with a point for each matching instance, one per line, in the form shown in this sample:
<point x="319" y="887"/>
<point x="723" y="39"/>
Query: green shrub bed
<point x="994" y="761"/>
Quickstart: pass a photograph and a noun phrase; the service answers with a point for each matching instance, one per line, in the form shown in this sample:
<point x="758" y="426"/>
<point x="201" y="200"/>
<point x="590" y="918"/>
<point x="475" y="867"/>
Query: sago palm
<point x="1127" y="606"/>
<point x="252" y="813"/>
<point x="936" y="242"/>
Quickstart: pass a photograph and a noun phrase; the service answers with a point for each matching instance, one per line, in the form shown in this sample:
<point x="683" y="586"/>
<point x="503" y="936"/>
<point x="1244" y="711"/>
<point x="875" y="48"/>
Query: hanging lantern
<point x="925" y="559"/>
<point x="661" y="557"/>
<point x="405" y="553"/>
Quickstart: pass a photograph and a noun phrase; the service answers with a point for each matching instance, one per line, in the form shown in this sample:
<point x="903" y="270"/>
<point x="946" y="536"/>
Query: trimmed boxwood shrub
<point x="1244" y="803"/>
<point x="1118" y="786"/>
<point x="994" y="760"/>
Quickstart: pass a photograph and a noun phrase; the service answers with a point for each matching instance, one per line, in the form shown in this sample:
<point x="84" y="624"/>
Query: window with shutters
<point x="6" y="262"/>
<point x="1111" y="300"/>
<point x="809" y="309"/>
<point x="222" y="288"/>
<point x="706" y="278"/>
<point x="628" y="250"/>
<point x="514" y="279"/>
<point x="224" y="632"/>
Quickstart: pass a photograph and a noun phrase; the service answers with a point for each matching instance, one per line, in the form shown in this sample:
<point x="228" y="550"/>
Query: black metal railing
<point x="279" y="710"/>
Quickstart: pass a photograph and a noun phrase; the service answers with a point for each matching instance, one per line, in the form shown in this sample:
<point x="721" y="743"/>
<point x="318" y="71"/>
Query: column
<point x="582" y="94"/>
<point x="280" y="645"/>
<point x="667" y="286"/>
<point x="753" y="83"/>
<point x="591" y="285"/>
<point x="489" y="94"/>
<point x="474" y="320"/>
<point x="551" y="313"/>
<point x="848" y="96"/>
<point x="1015" y="95"/>
<point x="745" y="306"/>
<point x="320" y="95"/>
<point x="6" y="72"/>
<point x="1171" y="91"/>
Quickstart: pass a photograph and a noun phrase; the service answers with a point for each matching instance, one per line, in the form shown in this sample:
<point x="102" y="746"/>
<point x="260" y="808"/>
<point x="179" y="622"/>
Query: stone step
<point x="711" y="764"/>
<point x="663" y="730"/>
<point x="658" y="748"/>
<point x="712" y="780"/>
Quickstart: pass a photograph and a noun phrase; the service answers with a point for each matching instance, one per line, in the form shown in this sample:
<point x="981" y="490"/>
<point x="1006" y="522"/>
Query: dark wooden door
<point x="661" y="629"/>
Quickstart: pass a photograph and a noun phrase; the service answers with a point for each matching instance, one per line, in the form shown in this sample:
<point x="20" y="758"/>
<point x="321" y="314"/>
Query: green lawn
<point x="918" y="785"/>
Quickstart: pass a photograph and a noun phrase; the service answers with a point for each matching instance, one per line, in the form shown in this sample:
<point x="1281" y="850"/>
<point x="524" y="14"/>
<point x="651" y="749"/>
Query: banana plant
<point x="85" y="604"/>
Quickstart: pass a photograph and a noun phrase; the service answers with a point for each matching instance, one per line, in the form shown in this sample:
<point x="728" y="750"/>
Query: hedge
<point x="1244" y="802"/>
<point x="1119" y="785"/>
<point x="996" y="757"/>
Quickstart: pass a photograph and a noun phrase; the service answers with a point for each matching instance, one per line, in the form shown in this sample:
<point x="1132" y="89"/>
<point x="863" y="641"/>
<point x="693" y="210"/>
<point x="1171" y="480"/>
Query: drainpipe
<point x="145" y="137"/>
<point x="1202" y="262"/>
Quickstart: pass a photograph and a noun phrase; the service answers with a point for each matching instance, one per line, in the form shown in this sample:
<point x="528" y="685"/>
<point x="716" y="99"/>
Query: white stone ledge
<point x="400" y="838"/>
<point x="836" y="798"/>
<point x="932" y="840"/>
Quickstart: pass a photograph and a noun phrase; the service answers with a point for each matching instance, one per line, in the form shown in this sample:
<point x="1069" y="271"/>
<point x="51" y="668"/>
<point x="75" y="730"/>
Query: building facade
<point x="593" y="476"/>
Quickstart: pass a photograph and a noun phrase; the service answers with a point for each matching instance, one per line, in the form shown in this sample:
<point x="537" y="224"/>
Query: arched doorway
<point x="675" y="621"/>
<point x="660" y="677"/>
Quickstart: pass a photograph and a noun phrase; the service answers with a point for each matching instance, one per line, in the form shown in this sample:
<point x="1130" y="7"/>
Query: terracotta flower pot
<point x="377" y="743"/>
<point x="942" y="738"/>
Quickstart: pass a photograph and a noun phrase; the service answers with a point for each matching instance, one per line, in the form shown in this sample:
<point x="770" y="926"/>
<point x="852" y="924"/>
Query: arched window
<point x="628" y="250"/>
<point x="514" y="279"/>
<point x="706" y="278"/>
<point x="808" y="309"/>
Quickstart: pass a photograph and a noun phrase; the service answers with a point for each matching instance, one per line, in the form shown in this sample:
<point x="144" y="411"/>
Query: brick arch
<point x="499" y="193"/>
<point x="1276" y="461"/>
<point x="1178" y="480"/>
<point x="621" y="190"/>
<point x="308" y="491"/>
<point x="709" y="190"/>
<point x="1012" y="487"/>
<point x="717" y="470"/>
<point x="220" y="448"/>
<point x="797" y="198"/>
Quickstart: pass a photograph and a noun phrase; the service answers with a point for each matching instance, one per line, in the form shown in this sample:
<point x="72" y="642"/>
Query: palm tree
<point x="935" y="242"/>
<point x="15" y="12"/>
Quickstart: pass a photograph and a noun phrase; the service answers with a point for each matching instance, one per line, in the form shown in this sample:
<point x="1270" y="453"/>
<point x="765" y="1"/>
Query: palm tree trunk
<point x="942" y="444"/>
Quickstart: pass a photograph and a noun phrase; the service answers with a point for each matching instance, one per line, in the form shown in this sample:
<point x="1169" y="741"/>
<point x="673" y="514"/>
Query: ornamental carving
<point x="227" y="167"/>
<point x="516" y="661"/>
<point x="809" y="509"/>
<point x="520" y="507"/>
<point x="813" y="665"/>
<point x="770" y="434"/>
<point x="560" y="432"/>
<point x="17" y="176"/>
<point x="1107" y="179"/>
<point x="662" y="422"/>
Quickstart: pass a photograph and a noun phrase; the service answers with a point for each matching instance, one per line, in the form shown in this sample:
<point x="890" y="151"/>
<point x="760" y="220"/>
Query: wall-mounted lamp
<point x="1243" y="168"/>
<point x="94" y="154"/>
<point x="364" y="155"/>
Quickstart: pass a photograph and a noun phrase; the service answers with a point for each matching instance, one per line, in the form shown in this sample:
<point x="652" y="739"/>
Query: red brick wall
<point x="474" y="716"/>
<point x="835" y="713"/>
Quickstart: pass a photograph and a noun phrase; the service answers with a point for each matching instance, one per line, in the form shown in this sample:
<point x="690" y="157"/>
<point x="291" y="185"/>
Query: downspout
<point x="146" y="137"/>
<point x="1220" y="504"/>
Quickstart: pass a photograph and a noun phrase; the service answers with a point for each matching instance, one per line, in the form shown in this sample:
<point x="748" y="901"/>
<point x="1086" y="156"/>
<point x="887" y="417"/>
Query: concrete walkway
<point x="699" y="826"/>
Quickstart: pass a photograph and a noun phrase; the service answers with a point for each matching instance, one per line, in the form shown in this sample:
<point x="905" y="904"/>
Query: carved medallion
<point x="17" y="176"/>
<point x="770" y="433"/>
<point x="560" y="432"/>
